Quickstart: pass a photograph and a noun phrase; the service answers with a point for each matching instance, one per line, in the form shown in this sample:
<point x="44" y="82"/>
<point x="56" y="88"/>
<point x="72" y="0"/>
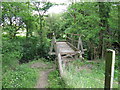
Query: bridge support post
<point x="52" y="45"/>
<point x="60" y="64"/>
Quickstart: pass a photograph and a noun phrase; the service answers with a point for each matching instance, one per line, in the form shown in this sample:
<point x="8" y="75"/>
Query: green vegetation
<point x="21" y="77"/>
<point x="27" y="33"/>
<point x="85" y="74"/>
<point x="24" y="76"/>
<point x="55" y="81"/>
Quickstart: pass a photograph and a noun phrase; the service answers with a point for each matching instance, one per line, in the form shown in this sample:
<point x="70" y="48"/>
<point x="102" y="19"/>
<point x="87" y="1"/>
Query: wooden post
<point x="51" y="48"/>
<point x="66" y="37"/>
<point x="58" y="56"/>
<point x="52" y="44"/>
<point x="71" y="39"/>
<point x="109" y="68"/>
<point x="60" y="64"/>
<point x="80" y="45"/>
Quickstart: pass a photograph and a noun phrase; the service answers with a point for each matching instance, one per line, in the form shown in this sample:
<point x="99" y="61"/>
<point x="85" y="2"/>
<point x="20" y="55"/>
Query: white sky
<point x="58" y="8"/>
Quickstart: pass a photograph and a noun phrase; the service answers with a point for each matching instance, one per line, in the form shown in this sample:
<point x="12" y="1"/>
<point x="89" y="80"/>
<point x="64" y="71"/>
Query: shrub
<point x="11" y="53"/>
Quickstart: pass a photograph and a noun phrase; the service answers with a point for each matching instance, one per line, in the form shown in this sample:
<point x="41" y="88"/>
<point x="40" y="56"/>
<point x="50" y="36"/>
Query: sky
<point x="58" y="8"/>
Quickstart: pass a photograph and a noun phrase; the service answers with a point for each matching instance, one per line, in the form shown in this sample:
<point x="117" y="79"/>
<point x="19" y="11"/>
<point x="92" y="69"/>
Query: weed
<point x="55" y="81"/>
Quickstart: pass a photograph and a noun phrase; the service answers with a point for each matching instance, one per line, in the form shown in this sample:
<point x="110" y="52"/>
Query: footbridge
<point x="67" y="50"/>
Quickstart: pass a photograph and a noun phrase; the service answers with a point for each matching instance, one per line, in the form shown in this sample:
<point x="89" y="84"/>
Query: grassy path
<point x="44" y="70"/>
<point x="43" y="79"/>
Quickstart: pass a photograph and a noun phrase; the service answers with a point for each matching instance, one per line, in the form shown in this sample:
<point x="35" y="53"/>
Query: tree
<point x="14" y="15"/>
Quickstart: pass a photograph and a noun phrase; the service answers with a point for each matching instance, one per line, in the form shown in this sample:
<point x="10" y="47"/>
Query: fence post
<point x="109" y="68"/>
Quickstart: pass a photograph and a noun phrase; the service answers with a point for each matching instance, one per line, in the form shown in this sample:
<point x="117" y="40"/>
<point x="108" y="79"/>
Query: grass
<point x="85" y="75"/>
<point x="55" y="81"/>
<point x="22" y="77"/>
<point x="0" y="73"/>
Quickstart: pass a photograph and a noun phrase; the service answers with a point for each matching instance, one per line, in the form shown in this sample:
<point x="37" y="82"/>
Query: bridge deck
<point x="64" y="48"/>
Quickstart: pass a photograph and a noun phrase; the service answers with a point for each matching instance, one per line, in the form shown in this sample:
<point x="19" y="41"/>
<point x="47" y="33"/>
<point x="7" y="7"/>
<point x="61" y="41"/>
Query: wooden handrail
<point x="71" y="39"/>
<point x="75" y="48"/>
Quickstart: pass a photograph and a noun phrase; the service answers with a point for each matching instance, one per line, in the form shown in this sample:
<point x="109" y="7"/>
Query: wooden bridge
<point x="69" y="49"/>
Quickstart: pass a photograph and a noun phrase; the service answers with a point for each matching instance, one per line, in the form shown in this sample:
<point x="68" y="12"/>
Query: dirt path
<point x="43" y="77"/>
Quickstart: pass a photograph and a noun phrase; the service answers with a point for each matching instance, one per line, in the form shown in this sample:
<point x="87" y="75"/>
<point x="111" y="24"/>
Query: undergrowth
<point x="55" y="81"/>
<point x="85" y="74"/>
<point x="21" y="77"/>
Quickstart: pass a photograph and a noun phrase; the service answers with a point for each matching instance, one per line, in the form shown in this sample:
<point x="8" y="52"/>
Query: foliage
<point x="55" y="81"/>
<point x="54" y="24"/>
<point x="29" y="50"/>
<point x="21" y="77"/>
<point x="97" y="23"/>
<point x="85" y="19"/>
<point x="18" y="17"/>
<point x="89" y="75"/>
<point x="11" y="53"/>
<point x="11" y="17"/>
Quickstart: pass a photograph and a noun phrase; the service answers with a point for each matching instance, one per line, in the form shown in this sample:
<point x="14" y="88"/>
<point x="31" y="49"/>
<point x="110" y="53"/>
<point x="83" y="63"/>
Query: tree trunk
<point x="27" y="33"/>
<point x="103" y="14"/>
<point x="119" y="26"/>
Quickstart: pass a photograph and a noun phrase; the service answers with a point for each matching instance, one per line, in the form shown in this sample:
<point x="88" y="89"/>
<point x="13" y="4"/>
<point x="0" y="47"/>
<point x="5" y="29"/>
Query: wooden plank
<point x="64" y="47"/>
<point x="71" y="39"/>
<point x="75" y="52"/>
<point x="59" y="58"/>
<point x="76" y="49"/>
<point x="109" y="68"/>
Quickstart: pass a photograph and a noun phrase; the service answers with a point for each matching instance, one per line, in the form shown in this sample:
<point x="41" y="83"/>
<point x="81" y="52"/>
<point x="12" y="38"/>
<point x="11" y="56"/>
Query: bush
<point x="11" y="53"/>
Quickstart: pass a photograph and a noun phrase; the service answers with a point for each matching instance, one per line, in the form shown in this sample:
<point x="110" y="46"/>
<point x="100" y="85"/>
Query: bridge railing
<point x="74" y="40"/>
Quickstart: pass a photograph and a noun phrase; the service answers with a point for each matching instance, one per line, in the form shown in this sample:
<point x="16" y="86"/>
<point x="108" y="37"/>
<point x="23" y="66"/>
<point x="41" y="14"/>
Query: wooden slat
<point x="76" y="49"/>
<point x="75" y="52"/>
<point x="72" y="39"/>
<point x="64" y="47"/>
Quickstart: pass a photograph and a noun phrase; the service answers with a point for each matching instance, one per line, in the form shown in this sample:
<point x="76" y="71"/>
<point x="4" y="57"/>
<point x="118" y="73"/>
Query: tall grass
<point x="85" y="75"/>
<point x="55" y="81"/>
